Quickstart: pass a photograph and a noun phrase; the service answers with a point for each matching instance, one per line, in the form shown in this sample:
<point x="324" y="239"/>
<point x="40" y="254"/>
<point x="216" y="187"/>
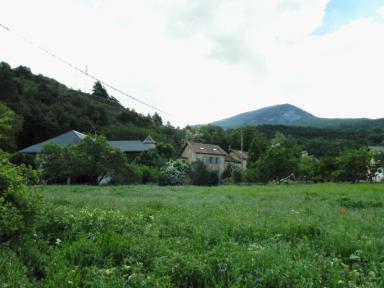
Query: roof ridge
<point x="77" y="133"/>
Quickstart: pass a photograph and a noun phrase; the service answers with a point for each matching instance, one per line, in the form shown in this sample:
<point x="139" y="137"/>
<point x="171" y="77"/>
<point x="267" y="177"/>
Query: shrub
<point x="278" y="162"/>
<point x="90" y="162"/>
<point x="133" y="173"/>
<point x="149" y="158"/>
<point x="31" y="176"/>
<point x="19" y="208"/>
<point x="352" y="165"/>
<point x="202" y="176"/>
<point x="232" y="172"/>
<point x="237" y="176"/>
<point x="150" y="174"/>
<point x="173" y="173"/>
<point x="19" y="158"/>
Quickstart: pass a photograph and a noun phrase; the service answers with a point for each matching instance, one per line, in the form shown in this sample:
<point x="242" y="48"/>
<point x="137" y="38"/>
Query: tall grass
<point x="227" y="236"/>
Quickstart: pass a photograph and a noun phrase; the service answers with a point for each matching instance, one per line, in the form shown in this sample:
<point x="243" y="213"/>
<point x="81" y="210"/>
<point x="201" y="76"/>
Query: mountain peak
<point x="282" y="114"/>
<point x="290" y="115"/>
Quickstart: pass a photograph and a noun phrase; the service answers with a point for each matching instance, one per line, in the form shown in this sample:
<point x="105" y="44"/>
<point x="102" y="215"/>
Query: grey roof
<point x="378" y="149"/>
<point x="229" y="158"/>
<point x="131" y="146"/>
<point x="72" y="137"/>
<point x="201" y="148"/>
<point x="238" y="154"/>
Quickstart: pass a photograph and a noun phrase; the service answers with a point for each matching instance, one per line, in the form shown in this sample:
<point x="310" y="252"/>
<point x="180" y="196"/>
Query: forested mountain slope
<point x="49" y="108"/>
<point x="290" y="115"/>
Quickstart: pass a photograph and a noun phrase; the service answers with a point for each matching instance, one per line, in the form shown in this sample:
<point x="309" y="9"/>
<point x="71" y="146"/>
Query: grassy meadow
<point x="327" y="235"/>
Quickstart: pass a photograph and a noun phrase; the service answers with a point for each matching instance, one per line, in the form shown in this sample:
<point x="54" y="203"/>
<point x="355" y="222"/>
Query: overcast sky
<point x="204" y="60"/>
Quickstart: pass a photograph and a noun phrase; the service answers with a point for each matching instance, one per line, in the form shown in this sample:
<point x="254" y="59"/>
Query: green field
<point x="226" y="236"/>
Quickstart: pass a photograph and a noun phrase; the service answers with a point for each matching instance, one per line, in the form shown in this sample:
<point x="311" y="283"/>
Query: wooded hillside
<point x="49" y="108"/>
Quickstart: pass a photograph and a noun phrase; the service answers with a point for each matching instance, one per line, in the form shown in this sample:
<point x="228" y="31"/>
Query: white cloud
<point x="381" y="11"/>
<point x="204" y="60"/>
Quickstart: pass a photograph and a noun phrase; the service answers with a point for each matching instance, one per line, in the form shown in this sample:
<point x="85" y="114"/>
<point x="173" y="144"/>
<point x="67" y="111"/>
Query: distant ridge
<point x="290" y="115"/>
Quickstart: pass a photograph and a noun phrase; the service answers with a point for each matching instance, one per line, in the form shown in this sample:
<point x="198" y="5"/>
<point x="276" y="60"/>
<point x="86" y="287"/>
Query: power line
<point x="80" y="70"/>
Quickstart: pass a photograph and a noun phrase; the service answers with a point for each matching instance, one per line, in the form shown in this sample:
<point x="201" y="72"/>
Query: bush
<point x="233" y="173"/>
<point x="31" y="176"/>
<point x="135" y="174"/>
<point x="173" y="173"/>
<point x="19" y="158"/>
<point x="92" y="161"/>
<point x="150" y="174"/>
<point x="277" y="163"/>
<point x="202" y="176"/>
<point x="149" y="158"/>
<point x="19" y="208"/>
<point x="352" y="165"/>
<point x="237" y="176"/>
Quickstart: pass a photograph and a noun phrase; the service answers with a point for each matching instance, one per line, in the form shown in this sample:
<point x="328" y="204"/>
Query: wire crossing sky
<point x="206" y="60"/>
<point x="80" y="70"/>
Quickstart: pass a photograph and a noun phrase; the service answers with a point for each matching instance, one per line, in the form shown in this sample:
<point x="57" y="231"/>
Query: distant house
<point x="240" y="156"/>
<point x="73" y="137"/>
<point x="213" y="156"/>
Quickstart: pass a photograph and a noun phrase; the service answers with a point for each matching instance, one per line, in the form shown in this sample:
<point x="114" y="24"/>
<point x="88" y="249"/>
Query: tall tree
<point x="353" y="165"/>
<point x="10" y="125"/>
<point x="99" y="91"/>
<point x="156" y="118"/>
<point x="258" y="147"/>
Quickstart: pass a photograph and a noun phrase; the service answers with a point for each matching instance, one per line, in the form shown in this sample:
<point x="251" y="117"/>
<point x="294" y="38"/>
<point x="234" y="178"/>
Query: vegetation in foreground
<point x="326" y="235"/>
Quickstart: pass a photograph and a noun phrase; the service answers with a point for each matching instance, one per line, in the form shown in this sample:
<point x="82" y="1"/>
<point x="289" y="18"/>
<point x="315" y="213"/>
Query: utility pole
<point x="241" y="147"/>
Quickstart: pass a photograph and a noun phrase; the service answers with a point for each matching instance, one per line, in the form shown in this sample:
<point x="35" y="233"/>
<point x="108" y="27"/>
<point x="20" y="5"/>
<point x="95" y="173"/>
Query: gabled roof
<point x="72" y="137"/>
<point x="238" y="154"/>
<point x="131" y="146"/>
<point x="149" y="140"/>
<point x="200" y="148"/>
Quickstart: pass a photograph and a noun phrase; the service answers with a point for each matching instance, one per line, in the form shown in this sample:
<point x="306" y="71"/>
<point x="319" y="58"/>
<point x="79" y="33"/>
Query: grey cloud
<point x="200" y="17"/>
<point x="190" y="17"/>
<point x="233" y="49"/>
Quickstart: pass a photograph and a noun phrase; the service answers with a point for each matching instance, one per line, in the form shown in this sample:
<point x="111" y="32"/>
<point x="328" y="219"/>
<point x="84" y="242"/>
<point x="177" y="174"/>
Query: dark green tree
<point x="165" y="150"/>
<point x="10" y="125"/>
<point x="156" y="118"/>
<point x="200" y="175"/>
<point x="150" y="158"/>
<point x="90" y="162"/>
<point x="20" y="208"/>
<point x="352" y="165"/>
<point x="99" y="91"/>
<point x="308" y="169"/>
<point x="277" y="163"/>
<point x="258" y="147"/>
<point x="97" y="159"/>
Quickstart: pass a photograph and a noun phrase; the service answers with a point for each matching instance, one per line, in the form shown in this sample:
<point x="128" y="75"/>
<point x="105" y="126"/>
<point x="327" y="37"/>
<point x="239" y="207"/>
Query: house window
<point x="211" y="160"/>
<point x="217" y="160"/>
<point x="204" y="159"/>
